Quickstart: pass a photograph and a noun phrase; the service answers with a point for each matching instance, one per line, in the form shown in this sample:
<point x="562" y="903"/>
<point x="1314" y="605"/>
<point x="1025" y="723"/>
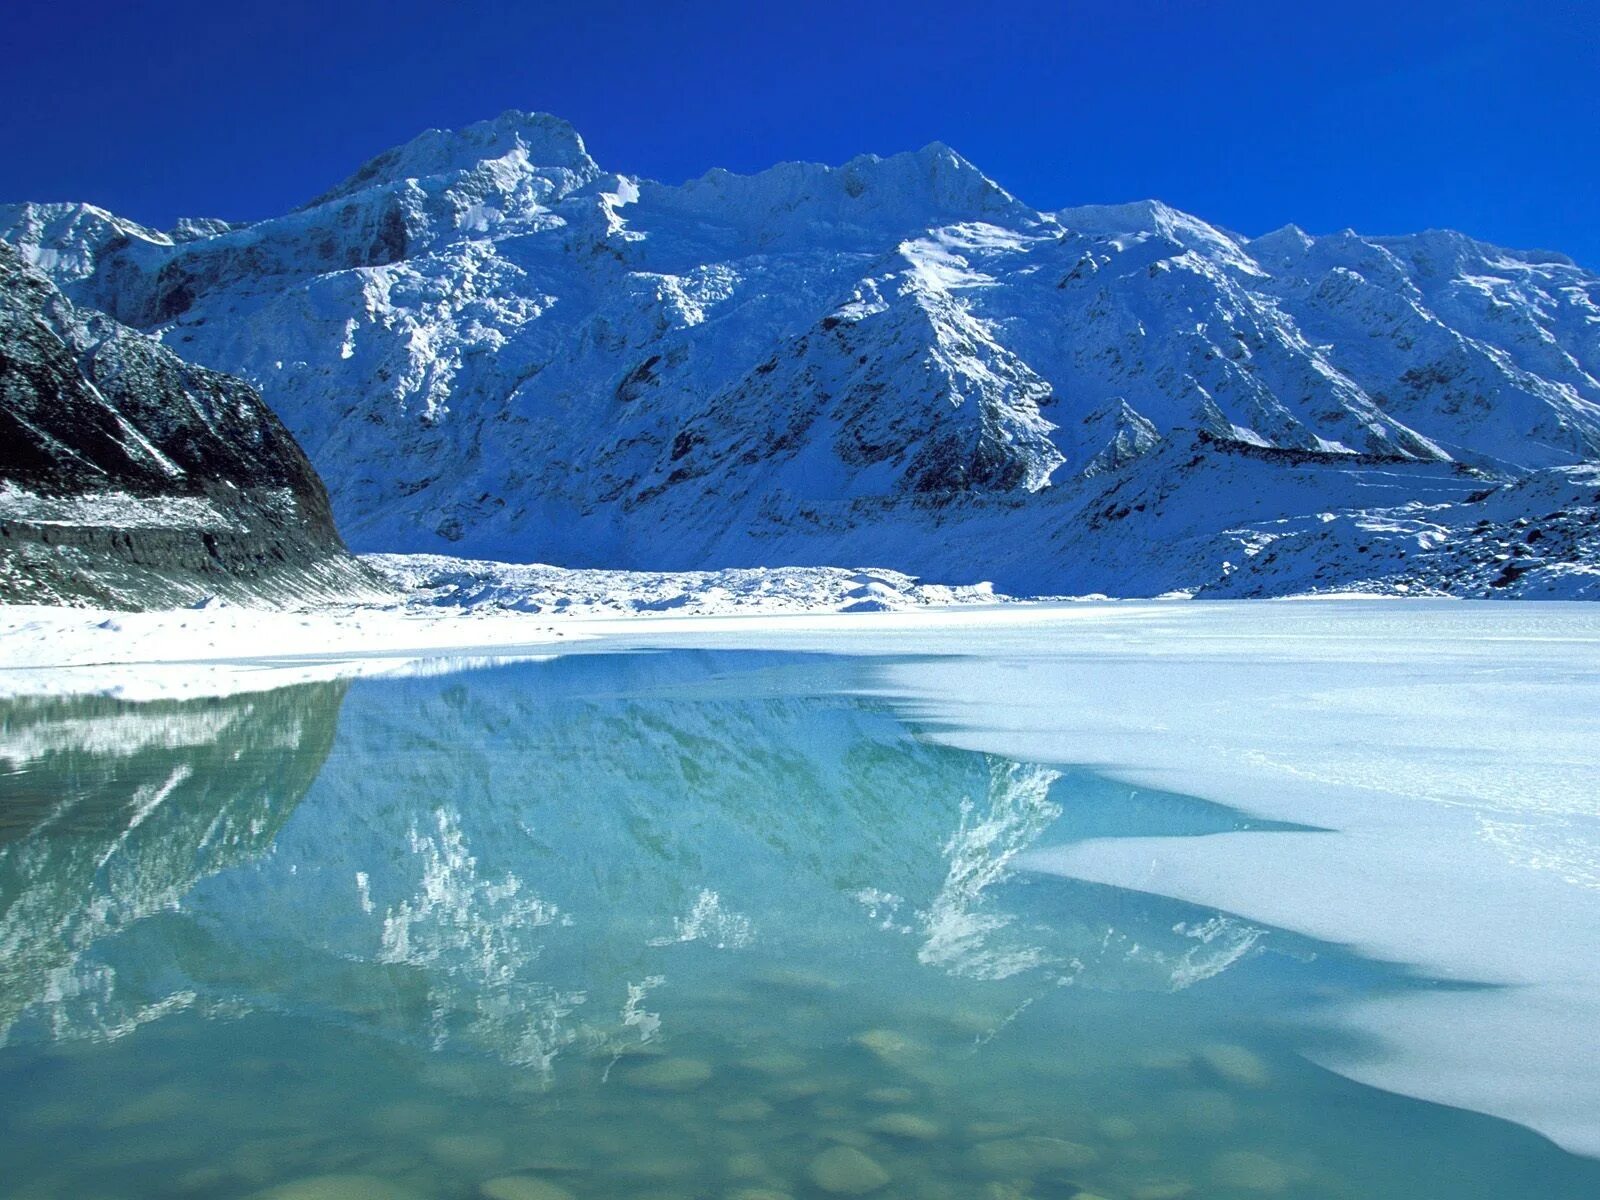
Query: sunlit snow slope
<point x="490" y="346"/>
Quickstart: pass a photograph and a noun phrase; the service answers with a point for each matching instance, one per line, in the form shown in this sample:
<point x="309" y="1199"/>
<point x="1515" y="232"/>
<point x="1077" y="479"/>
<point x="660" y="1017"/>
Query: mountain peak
<point x="1154" y="217"/>
<point x="1447" y="251"/>
<point x="944" y="172"/>
<point x="1287" y="242"/>
<point x="897" y="194"/>
<point x="542" y="140"/>
<point x="65" y="240"/>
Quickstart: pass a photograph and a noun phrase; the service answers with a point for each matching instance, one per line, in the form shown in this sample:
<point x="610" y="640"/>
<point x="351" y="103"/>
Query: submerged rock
<point x="1023" y="1157"/>
<point x="467" y="1149"/>
<point x="793" y="979"/>
<point x="1160" y="1189"/>
<point x="1205" y="1111"/>
<point x="891" y="1095"/>
<point x="670" y="1075"/>
<point x="1236" y="1064"/>
<point x="752" y="1109"/>
<point x="208" y="1179"/>
<point x="1251" y="1172"/>
<point x="162" y="1104"/>
<point x="1117" y="1129"/>
<point x="409" y="1116"/>
<point x="846" y="1171"/>
<point x="798" y="1089"/>
<point x="1164" y="1060"/>
<point x="523" y="1187"/>
<point x="610" y="1050"/>
<point x="746" y="1165"/>
<point x="847" y="1137"/>
<point x="773" y="1063"/>
<point x="659" y="1164"/>
<point x="887" y="1046"/>
<point x="349" y="1187"/>
<point x="906" y="1125"/>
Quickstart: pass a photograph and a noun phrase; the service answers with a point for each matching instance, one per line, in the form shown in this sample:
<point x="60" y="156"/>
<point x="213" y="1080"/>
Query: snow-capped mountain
<point x="491" y="346"/>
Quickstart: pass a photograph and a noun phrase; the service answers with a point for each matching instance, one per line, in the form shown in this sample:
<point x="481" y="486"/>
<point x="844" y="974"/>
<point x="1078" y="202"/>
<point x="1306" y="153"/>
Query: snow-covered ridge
<point x="114" y="509"/>
<point x="431" y="579"/>
<point x="535" y="138"/>
<point x="492" y="346"/>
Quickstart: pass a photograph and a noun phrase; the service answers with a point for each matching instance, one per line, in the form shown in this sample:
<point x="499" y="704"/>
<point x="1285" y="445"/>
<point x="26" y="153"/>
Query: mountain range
<point x="490" y="346"/>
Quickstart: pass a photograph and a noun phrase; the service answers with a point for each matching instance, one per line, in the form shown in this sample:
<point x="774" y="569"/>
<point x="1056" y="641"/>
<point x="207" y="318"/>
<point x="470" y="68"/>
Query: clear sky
<point x="1388" y="117"/>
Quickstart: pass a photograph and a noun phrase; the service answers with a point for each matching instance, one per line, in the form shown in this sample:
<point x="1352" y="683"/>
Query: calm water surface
<point x="665" y="926"/>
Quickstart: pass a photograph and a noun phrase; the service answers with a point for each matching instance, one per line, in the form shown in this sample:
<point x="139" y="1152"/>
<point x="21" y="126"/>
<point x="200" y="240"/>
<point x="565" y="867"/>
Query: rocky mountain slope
<point x="490" y="346"/>
<point x="129" y="477"/>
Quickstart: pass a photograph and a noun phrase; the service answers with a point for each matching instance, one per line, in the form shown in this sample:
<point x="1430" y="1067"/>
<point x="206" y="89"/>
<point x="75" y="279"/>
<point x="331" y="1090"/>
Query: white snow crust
<point x="450" y="607"/>
<point x="535" y="588"/>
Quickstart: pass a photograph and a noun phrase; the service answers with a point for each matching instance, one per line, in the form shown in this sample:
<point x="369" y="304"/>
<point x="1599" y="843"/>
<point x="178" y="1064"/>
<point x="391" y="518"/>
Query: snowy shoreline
<point x="445" y="609"/>
<point x="225" y="650"/>
<point x="448" y="610"/>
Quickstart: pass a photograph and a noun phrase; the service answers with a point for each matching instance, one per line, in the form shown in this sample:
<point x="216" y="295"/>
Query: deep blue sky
<point x="1386" y="117"/>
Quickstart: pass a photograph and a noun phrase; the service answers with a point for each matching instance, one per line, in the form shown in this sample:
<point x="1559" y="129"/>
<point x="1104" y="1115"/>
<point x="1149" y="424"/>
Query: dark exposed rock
<point x="131" y="478"/>
<point x="390" y="242"/>
<point x="638" y="379"/>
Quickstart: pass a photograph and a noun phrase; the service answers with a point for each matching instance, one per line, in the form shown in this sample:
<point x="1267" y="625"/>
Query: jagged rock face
<point x="90" y="403"/>
<point x="491" y="346"/>
<point x="153" y="479"/>
<point x="893" y="394"/>
<point x="1123" y="435"/>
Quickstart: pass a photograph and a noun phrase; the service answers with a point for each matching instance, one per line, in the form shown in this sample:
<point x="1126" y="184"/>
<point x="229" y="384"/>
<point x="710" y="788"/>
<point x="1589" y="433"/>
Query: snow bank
<point x="219" y="649"/>
<point x="452" y="608"/>
<point x="467" y="583"/>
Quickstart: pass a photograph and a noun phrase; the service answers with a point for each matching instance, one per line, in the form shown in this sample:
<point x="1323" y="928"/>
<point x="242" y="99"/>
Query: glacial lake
<point x="690" y="923"/>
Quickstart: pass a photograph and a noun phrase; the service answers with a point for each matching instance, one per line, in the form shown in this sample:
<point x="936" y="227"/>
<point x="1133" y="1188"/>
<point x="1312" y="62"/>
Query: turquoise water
<point x="661" y="925"/>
